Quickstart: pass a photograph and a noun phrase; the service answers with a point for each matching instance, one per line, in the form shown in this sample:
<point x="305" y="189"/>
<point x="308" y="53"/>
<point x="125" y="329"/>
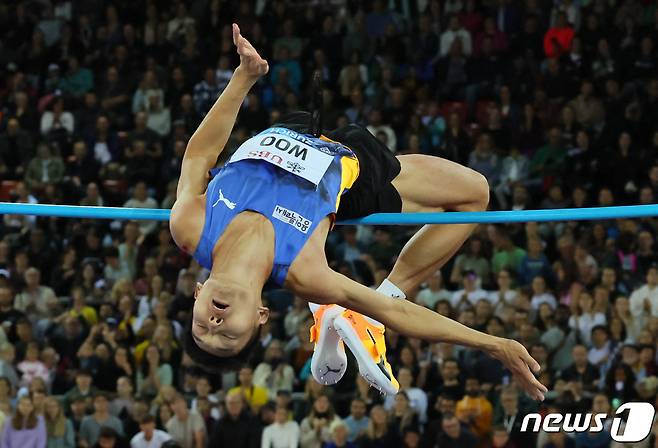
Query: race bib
<point x="288" y="151"/>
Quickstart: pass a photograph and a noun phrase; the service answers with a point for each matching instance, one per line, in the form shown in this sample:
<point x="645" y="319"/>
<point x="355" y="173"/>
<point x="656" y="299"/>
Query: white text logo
<point x="637" y="426"/>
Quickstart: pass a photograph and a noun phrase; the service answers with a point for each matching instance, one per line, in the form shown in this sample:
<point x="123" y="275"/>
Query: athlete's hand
<point x="250" y="61"/>
<point x="517" y="359"/>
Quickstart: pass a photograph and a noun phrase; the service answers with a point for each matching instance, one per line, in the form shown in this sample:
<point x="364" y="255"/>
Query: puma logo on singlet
<point x="229" y="204"/>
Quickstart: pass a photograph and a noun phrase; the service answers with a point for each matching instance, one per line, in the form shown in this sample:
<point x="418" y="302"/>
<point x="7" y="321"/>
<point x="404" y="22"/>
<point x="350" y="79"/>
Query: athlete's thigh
<point x="432" y="183"/>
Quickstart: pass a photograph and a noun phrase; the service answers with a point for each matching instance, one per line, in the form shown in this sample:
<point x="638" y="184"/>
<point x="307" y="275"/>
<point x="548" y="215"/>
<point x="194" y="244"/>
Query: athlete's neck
<point x="245" y="252"/>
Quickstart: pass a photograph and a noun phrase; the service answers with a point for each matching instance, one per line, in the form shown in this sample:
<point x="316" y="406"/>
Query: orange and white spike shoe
<point x="367" y="343"/>
<point x="329" y="361"/>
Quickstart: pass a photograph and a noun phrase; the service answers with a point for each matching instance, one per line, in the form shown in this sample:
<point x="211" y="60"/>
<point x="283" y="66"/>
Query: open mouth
<point x="219" y="305"/>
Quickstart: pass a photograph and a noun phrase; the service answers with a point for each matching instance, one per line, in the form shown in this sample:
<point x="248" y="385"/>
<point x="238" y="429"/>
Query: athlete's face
<point x="225" y="317"/>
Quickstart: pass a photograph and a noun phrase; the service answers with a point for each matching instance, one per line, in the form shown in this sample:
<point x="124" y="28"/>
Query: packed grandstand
<point x="554" y="101"/>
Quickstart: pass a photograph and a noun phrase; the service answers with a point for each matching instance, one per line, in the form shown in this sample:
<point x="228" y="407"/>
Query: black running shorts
<point x="373" y="191"/>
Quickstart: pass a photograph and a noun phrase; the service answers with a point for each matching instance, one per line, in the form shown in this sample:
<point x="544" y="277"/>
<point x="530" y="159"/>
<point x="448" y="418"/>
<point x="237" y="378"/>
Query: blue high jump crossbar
<point x="409" y="219"/>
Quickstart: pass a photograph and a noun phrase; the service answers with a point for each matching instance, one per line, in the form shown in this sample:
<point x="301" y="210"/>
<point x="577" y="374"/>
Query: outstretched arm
<point x="415" y="321"/>
<point x="211" y="136"/>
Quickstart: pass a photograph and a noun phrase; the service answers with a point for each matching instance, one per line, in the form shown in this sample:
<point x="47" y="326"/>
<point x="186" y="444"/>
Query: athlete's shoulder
<point x="186" y="222"/>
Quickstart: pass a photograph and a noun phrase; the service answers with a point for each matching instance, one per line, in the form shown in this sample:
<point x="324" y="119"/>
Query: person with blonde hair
<point x="58" y="428"/>
<point x="378" y="433"/>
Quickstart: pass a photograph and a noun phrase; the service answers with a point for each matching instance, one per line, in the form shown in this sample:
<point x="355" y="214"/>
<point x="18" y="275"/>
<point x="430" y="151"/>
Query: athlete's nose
<point x="216" y="321"/>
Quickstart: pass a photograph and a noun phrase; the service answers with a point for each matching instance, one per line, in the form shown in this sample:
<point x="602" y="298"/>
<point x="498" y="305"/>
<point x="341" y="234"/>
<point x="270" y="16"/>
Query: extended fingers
<point x="534" y="388"/>
<point x="530" y="361"/>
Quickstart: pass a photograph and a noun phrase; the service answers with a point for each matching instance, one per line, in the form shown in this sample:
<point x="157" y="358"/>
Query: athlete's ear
<point x="197" y="290"/>
<point x="263" y="314"/>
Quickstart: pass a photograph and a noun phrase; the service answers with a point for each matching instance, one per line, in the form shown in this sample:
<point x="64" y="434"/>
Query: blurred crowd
<point x="554" y="101"/>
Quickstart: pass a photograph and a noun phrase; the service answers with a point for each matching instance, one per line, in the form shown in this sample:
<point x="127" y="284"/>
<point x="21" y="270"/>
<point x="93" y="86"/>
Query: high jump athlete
<point x="266" y="215"/>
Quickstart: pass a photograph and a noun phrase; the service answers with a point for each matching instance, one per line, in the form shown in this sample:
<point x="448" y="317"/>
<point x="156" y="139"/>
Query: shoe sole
<point x="374" y="376"/>
<point x="329" y="361"/>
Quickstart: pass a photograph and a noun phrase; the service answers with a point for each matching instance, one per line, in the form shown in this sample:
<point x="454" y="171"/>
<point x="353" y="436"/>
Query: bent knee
<point x="478" y="188"/>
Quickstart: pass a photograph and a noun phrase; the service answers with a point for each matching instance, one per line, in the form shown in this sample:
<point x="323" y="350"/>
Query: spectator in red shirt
<point x="558" y="38"/>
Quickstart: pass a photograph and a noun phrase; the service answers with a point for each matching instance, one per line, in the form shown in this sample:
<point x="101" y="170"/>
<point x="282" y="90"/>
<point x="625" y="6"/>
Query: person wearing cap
<point x="148" y="436"/>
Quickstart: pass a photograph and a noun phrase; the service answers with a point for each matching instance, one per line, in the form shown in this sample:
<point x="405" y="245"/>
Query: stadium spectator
<point x="474" y="410"/>
<point x="357" y="422"/>
<point x="378" y="432"/>
<point x="25" y="428"/>
<point x="59" y="428"/>
<point x="274" y="374"/>
<point x="237" y="426"/>
<point x="470" y="294"/>
<point x="186" y="426"/>
<point x="255" y="396"/>
<point x="283" y="433"/>
<point x="315" y="429"/>
<point x="571" y="129"/>
<point x="93" y="426"/>
<point x="454" y="434"/>
<point x="149" y="436"/>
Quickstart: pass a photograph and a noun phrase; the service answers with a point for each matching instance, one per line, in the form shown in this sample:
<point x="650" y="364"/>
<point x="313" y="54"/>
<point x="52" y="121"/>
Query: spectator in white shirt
<point x="57" y="118"/>
<point x="504" y="297"/>
<point x="433" y="292"/>
<point x="32" y="367"/>
<point x="283" y="433"/>
<point x="34" y="298"/>
<point x="471" y="293"/>
<point x="644" y="300"/>
<point x="274" y="373"/>
<point x="158" y="117"/>
<point x="149" y="437"/>
<point x="584" y="317"/>
<point x="540" y="294"/>
<point x="141" y="199"/>
<point x="599" y="353"/>
<point x="417" y="397"/>
<point x="179" y="25"/>
<point x="455" y="31"/>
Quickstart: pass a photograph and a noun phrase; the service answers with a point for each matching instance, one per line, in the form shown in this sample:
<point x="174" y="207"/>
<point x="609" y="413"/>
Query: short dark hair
<point x="216" y="364"/>
<point x="108" y="433"/>
<point x="148" y="418"/>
